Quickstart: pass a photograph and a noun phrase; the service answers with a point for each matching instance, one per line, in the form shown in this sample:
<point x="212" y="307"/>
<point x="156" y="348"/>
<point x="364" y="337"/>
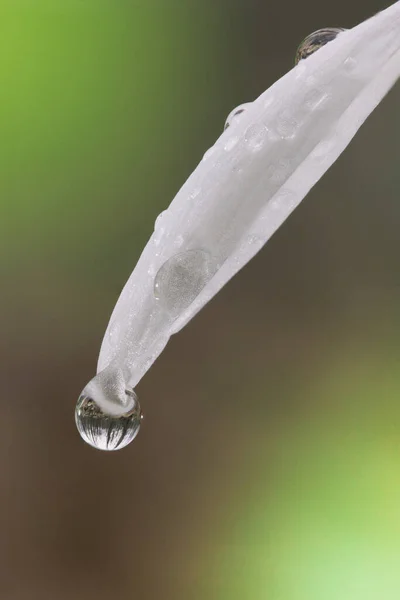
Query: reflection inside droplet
<point x="315" y="41"/>
<point x="235" y="114"/>
<point x="181" y="278"/>
<point x="107" y="432"/>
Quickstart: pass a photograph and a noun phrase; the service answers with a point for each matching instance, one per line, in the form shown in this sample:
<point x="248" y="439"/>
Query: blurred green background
<point x="268" y="466"/>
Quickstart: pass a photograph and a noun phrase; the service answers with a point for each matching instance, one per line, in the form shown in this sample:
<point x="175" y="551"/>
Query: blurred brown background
<point x="268" y="463"/>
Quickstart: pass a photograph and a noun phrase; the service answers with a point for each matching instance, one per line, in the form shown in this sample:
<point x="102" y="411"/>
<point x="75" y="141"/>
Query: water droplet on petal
<point x="235" y="114"/>
<point x="195" y="193"/>
<point x="315" y="41"/>
<point x="255" y="136"/>
<point x="106" y="431"/>
<point x="181" y="278"/>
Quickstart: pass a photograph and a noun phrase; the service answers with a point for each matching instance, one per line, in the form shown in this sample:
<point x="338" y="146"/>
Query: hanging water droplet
<point x="181" y="278"/>
<point x="235" y="114"/>
<point x="107" y="432"/>
<point x="255" y="136"/>
<point x="315" y="41"/>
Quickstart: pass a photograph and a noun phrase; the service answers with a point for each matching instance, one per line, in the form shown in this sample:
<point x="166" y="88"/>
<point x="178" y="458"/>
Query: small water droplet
<point x="255" y="136"/>
<point x="106" y="431"/>
<point x="235" y="115"/>
<point x="231" y="143"/>
<point x="195" y="193"/>
<point x="181" y="278"/>
<point x="315" y="41"/>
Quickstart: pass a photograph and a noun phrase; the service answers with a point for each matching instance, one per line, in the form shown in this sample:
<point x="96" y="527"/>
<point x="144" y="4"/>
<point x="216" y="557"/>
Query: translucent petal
<point x="257" y="172"/>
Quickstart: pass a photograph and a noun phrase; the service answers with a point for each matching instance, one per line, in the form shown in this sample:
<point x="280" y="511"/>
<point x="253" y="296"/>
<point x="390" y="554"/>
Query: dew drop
<point x="315" y="41"/>
<point x="102" y="430"/>
<point x="255" y="136"/>
<point x="235" y="115"/>
<point x="106" y="432"/>
<point x="181" y="278"/>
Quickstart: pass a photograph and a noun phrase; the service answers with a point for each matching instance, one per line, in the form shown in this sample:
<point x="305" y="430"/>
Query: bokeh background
<point x="268" y="465"/>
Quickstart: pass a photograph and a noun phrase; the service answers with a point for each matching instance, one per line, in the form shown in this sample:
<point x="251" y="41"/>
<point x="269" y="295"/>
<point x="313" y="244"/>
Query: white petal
<point x="257" y="172"/>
